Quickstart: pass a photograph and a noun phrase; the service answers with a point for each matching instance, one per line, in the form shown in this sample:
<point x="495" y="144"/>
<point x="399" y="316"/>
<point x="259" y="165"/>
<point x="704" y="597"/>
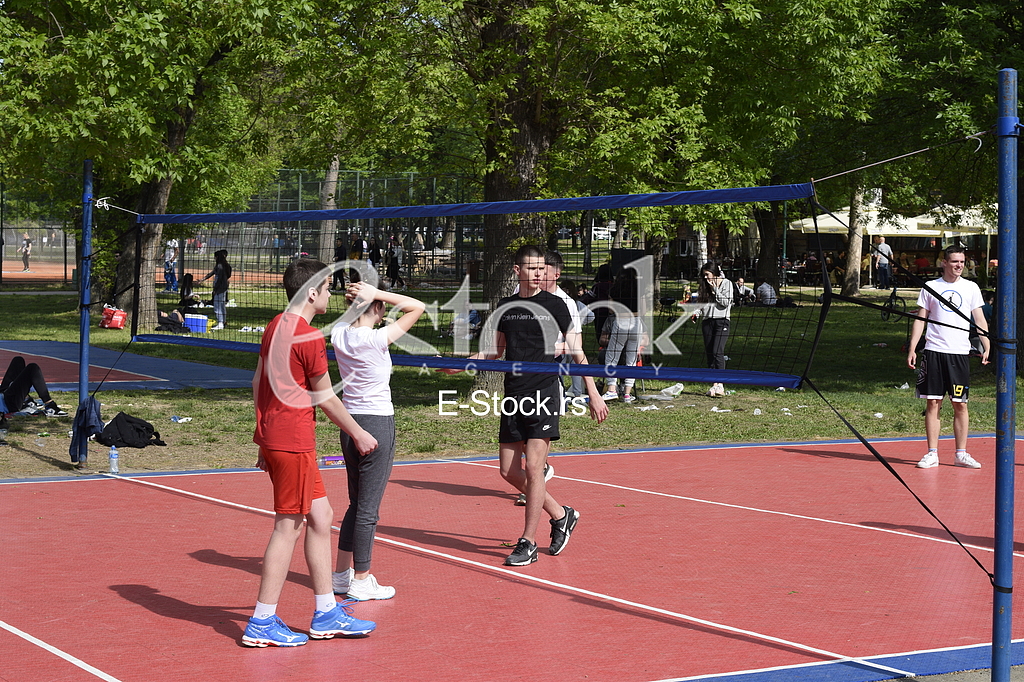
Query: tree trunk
<point x="655" y="246"/>
<point x="851" y="280"/>
<point x="518" y="134"/>
<point x="586" y="222"/>
<point x="768" y="255"/>
<point x="153" y="199"/>
<point x="448" y="232"/>
<point x="328" y="202"/>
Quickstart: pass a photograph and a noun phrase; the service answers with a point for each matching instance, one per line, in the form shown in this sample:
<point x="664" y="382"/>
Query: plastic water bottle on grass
<point x="114" y="460"/>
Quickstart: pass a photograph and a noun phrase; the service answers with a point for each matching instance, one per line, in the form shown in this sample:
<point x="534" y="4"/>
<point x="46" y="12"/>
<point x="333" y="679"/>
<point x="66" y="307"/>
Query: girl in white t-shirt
<point x="361" y="350"/>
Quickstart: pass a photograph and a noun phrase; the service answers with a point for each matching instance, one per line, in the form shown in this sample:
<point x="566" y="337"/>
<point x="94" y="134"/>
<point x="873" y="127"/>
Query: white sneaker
<point x="367" y="589"/>
<point x="549" y="472"/>
<point x="610" y="395"/>
<point x="628" y="398"/>
<point x="930" y="460"/>
<point x="341" y="581"/>
<point x="965" y="460"/>
<point x="217" y="328"/>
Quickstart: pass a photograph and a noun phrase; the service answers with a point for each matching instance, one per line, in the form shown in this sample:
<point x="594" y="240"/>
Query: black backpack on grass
<point x="126" y="431"/>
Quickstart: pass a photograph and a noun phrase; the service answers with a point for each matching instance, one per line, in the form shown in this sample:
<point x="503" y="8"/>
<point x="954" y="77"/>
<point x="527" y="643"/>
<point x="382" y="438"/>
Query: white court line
<point x="561" y="586"/>
<point x="57" y="652"/>
<point x="753" y="509"/>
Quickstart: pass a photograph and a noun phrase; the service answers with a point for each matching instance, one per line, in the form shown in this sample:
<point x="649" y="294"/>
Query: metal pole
<point x="3" y="200"/>
<point x="137" y="290"/>
<point x="84" y="285"/>
<point x="1007" y="130"/>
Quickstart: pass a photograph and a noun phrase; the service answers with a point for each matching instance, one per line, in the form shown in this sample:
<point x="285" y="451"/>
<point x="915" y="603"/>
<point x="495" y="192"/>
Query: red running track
<point x="685" y="563"/>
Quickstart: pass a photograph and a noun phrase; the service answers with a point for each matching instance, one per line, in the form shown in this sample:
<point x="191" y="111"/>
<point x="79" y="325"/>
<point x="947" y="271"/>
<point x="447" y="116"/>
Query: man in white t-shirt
<point x="883" y="262"/>
<point x="945" y="364"/>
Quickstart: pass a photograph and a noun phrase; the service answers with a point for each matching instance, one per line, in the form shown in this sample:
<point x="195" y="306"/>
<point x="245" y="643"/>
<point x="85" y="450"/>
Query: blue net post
<point x="1007" y="130"/>
<point x="85" y="284"/>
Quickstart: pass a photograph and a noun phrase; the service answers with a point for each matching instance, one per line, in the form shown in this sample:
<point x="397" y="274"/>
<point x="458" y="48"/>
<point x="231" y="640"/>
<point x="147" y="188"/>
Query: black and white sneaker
<point x="524" y="554"/>
<point x="562" y="529"/>
<point x="51" y="410"/>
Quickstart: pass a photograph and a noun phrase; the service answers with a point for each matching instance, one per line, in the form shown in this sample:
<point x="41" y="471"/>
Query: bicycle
<point x="895" y="304"/>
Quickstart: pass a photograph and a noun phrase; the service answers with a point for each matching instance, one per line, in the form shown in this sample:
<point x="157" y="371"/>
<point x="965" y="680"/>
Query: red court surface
<point x="686" y="563"/>
<point x="57" y="370"/>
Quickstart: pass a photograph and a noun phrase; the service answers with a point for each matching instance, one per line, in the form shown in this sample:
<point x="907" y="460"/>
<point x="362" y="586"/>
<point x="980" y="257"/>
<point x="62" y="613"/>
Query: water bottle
<point x="113" y="460"/>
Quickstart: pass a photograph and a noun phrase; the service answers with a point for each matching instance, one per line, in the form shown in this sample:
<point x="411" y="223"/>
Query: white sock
<point x="325" y="602"/>
<point x="932" y="451"/>
<point x="264" y="611"/>
<point x="961" y="452"/>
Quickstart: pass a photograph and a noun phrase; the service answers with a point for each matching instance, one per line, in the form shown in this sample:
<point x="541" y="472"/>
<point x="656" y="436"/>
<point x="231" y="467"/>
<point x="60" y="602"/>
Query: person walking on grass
<point x="364" y="363"/>
<point x="945" y="362"/>
<point x="291" y="380"/>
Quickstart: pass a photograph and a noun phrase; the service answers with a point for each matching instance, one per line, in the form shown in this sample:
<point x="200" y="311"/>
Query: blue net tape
<point x="648" y="372"/>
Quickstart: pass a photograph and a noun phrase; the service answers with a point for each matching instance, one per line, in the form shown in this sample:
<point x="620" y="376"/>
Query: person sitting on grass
<point x="18" y="382"/>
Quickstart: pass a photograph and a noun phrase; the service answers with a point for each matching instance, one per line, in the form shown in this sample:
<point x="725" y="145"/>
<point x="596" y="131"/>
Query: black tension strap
<point x="877" y="455"/>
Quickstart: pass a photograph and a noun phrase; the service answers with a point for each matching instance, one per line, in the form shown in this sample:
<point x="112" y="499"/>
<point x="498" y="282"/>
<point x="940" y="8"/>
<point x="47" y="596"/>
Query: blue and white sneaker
<point x="271" y="632"/>
<point x="339" y="621"/>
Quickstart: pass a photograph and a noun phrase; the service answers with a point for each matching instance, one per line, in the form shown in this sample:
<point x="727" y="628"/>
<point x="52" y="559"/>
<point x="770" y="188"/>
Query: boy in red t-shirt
<point x="291" y="381"/>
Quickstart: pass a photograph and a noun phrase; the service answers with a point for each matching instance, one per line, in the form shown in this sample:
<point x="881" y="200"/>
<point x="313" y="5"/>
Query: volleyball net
<point x="439" y="254"/>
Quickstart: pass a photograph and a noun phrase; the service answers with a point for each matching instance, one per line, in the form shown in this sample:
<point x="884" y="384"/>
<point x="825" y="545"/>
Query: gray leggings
<point x="367" y="477"/>
<point x="623" y="344"/>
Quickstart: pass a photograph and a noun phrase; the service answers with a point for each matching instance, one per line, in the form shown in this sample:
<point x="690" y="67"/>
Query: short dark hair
<point x="299" y="273"/>
<point x="955" y="248"/>
<point x="527" y="251"/>
<point x="554" y="259"/>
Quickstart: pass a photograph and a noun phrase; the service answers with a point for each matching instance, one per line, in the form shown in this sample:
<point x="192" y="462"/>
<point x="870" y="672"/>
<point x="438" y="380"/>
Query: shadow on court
<point x="222" y="619"/>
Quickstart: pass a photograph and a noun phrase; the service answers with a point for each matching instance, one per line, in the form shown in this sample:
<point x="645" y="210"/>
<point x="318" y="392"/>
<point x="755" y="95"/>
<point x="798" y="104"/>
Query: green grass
<point x="860" y="378"/>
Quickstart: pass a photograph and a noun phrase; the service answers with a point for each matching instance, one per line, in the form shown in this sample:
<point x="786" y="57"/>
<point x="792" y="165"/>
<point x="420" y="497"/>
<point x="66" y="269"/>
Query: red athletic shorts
<point x="296" y="479"/>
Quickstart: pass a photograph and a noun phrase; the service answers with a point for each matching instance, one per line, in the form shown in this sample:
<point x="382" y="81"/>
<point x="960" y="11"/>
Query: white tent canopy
<point x="954" y="220"/>
<point x="944" y="221"/>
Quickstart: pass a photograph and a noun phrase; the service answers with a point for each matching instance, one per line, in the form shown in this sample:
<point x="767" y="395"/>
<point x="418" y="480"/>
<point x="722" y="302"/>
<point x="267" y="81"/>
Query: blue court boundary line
<point x="485" y="458"/>
<point x="934" y="662"/>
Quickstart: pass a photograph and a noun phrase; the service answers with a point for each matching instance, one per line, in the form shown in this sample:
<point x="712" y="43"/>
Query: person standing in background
<point x="25" y="251"/>
<point x="170" y="260"/>
<point x="221" y="273"/>
<point x="716" y="294"/>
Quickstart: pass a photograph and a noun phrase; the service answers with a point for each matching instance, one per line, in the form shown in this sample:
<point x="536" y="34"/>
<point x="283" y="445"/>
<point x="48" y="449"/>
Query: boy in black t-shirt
<point x="527" y="330"/>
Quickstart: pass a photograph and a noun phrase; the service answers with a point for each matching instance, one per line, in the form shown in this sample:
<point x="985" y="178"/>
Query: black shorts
<point x="533" y="415"/>
<point x="942" y="373"/>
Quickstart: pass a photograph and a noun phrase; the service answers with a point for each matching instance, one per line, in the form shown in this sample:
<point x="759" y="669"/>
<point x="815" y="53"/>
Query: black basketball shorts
<point x="943" y="373"/>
